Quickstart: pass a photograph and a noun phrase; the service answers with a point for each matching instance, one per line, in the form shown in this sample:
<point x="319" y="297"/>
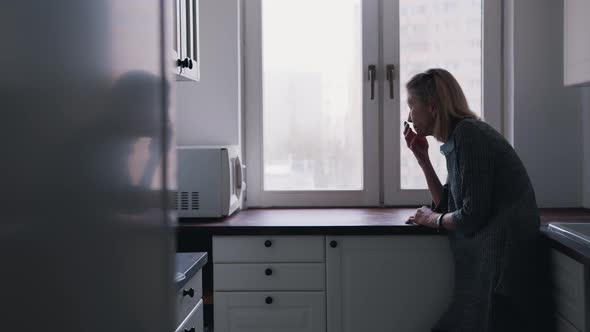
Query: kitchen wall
<point x="208" y="110"/>
<point x="586" y="143"/>
<point x="546" y="115"/>
<point x="543" y="119"/>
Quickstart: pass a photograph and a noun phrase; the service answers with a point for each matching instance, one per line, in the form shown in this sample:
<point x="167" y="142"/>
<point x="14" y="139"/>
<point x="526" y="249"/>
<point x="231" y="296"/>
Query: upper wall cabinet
<point x="576" y="56"/>
<point x="185" y="53"/>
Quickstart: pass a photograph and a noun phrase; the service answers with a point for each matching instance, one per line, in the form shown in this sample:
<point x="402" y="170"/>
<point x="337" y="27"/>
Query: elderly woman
<point x="487" y="206"/>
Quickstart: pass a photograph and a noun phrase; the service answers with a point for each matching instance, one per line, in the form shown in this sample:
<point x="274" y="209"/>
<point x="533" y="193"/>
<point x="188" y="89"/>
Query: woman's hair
<point x="440" y="89"/>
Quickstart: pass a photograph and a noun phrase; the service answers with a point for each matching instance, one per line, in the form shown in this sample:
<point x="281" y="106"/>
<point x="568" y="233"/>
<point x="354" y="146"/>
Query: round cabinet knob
<point x="268" y="272"/>
<point x="190" y="330"/>
<point x="190" y="292"/>
<point x="268" y="300"/>
<point x="190" y="63"/>
<point x="268" y="243"/>
<point x="333" y="244"/>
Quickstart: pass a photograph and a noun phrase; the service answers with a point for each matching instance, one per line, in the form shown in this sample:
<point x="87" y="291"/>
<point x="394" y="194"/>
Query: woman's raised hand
<point x="416" y="143"/>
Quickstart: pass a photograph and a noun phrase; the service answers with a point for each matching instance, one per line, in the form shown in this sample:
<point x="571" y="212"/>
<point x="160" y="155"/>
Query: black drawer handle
<point x="268" y="300"/>
<point x="192" y="329"/>
<point x="190" y="292"/>
<point x="268" y="243"/>
<point x="268" y="271"/>
<point x="333" y="244"/>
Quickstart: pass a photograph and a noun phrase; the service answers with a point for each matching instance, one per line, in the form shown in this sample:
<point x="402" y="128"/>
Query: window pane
<point x="312" y="95"/>
<point x="445" y="34"/>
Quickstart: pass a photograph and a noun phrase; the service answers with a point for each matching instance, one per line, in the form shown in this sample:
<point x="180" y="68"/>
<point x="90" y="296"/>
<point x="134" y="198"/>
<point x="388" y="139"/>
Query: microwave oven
<point x="210" y="181"/>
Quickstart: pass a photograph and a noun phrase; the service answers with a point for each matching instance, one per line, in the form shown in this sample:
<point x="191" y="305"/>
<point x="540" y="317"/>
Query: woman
<point x="487" y="206"/>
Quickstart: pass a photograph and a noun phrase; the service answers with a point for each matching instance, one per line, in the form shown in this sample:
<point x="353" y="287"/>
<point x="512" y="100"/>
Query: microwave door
<point x="236" y="184"/>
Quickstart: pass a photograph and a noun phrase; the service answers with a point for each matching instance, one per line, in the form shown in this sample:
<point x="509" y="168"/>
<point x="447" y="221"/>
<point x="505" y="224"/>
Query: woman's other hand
<point x="424" y="216"/>
<point x="416" y="143"/>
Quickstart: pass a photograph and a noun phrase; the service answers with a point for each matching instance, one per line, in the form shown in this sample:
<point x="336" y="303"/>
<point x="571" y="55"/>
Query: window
<point x="312" y="96"/>
<point x="443" y="35"/>
<point x="323" y="125"/>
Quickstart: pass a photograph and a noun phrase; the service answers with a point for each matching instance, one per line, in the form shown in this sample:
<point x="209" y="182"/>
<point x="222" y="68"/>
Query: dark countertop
<point x="187" y="265"/>
<point x="354" y="221"/>
<point x="341" y="221"/>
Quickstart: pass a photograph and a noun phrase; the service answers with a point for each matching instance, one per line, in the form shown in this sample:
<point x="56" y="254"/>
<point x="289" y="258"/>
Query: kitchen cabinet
<point x="570" y="292"/>
<point x="189" y="291"/>
<point x="269" y="283"/>
<point x="330" y="283"/>
<point x="185" y="40"/>
<point x="270" y="311"/>
<point x="387" y="283"/>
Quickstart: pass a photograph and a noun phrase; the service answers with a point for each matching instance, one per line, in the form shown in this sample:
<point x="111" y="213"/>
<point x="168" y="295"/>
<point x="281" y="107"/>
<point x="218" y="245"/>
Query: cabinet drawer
<point x="184" y="301"/>
<point x="194" y="321"/>
<point x="270" y="276"/>
<point x="285" y="312"/>
<point x="268" y="249"/>
<point x="569" y="289"/>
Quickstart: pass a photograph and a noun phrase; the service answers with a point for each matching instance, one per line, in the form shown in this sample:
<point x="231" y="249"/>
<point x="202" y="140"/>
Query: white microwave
<point x="210" y="181"/>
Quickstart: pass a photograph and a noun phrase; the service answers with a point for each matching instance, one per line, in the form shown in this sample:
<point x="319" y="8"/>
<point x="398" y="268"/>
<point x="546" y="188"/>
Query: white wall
<point x="586" y="143"/>
<point x="547" y="116"/>
<point x="208" y="110"/>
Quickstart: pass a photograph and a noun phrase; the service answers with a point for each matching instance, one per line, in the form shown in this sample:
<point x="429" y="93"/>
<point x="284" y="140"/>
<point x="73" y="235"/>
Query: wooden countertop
<point x="353" y="221"/>
<point x="341" y="221"/>
<point x="334" y="221"/>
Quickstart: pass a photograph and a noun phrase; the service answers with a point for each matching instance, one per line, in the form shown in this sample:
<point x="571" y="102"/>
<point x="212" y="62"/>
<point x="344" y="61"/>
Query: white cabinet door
<point x="270" y="312"/>
<point x="576" y="44"/>
<point x="569" y="289"/>
<point x="189" y="40"/>
<point x="176" y="37"/>
<point x="563" y="325"/>
<point x="387" y="283"/>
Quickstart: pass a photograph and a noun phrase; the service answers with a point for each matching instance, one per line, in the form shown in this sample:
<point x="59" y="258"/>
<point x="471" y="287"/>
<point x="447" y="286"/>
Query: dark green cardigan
<point x="496" y="243"/>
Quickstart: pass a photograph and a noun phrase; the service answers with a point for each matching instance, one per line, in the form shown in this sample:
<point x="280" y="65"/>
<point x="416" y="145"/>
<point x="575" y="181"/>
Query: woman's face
<point x="422" y="115"/>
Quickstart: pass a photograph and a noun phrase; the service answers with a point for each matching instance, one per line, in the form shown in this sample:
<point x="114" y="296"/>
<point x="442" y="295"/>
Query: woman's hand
<point x="425" y="217"/>
<point x="416" y="143"/>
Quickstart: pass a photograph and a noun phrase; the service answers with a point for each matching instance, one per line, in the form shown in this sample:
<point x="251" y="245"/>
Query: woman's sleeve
<point x="443" y="204"/>
<point x="475" y="166"/>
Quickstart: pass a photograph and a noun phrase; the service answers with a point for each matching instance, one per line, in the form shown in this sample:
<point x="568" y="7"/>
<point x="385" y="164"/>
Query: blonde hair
<point x="439" y="88"/>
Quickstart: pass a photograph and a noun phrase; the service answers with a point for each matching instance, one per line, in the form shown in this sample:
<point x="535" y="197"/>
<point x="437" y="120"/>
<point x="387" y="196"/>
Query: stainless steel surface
<point x="85" y="167"/>
<point x="579" y="232"/>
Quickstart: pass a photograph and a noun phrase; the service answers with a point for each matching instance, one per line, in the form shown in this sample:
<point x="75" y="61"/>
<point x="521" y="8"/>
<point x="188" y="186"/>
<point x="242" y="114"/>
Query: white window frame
<point x="381" y="165"/>
<point x="492" y="54"/>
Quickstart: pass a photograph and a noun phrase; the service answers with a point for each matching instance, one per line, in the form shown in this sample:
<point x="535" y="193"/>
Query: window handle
<point x="390" y="76"/>
<point x="372" y="73"/>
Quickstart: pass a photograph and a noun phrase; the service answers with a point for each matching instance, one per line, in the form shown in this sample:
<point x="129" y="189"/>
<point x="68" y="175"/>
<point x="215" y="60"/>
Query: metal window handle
<point x="390" y="76"/>
<point x="372" y="74"/>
